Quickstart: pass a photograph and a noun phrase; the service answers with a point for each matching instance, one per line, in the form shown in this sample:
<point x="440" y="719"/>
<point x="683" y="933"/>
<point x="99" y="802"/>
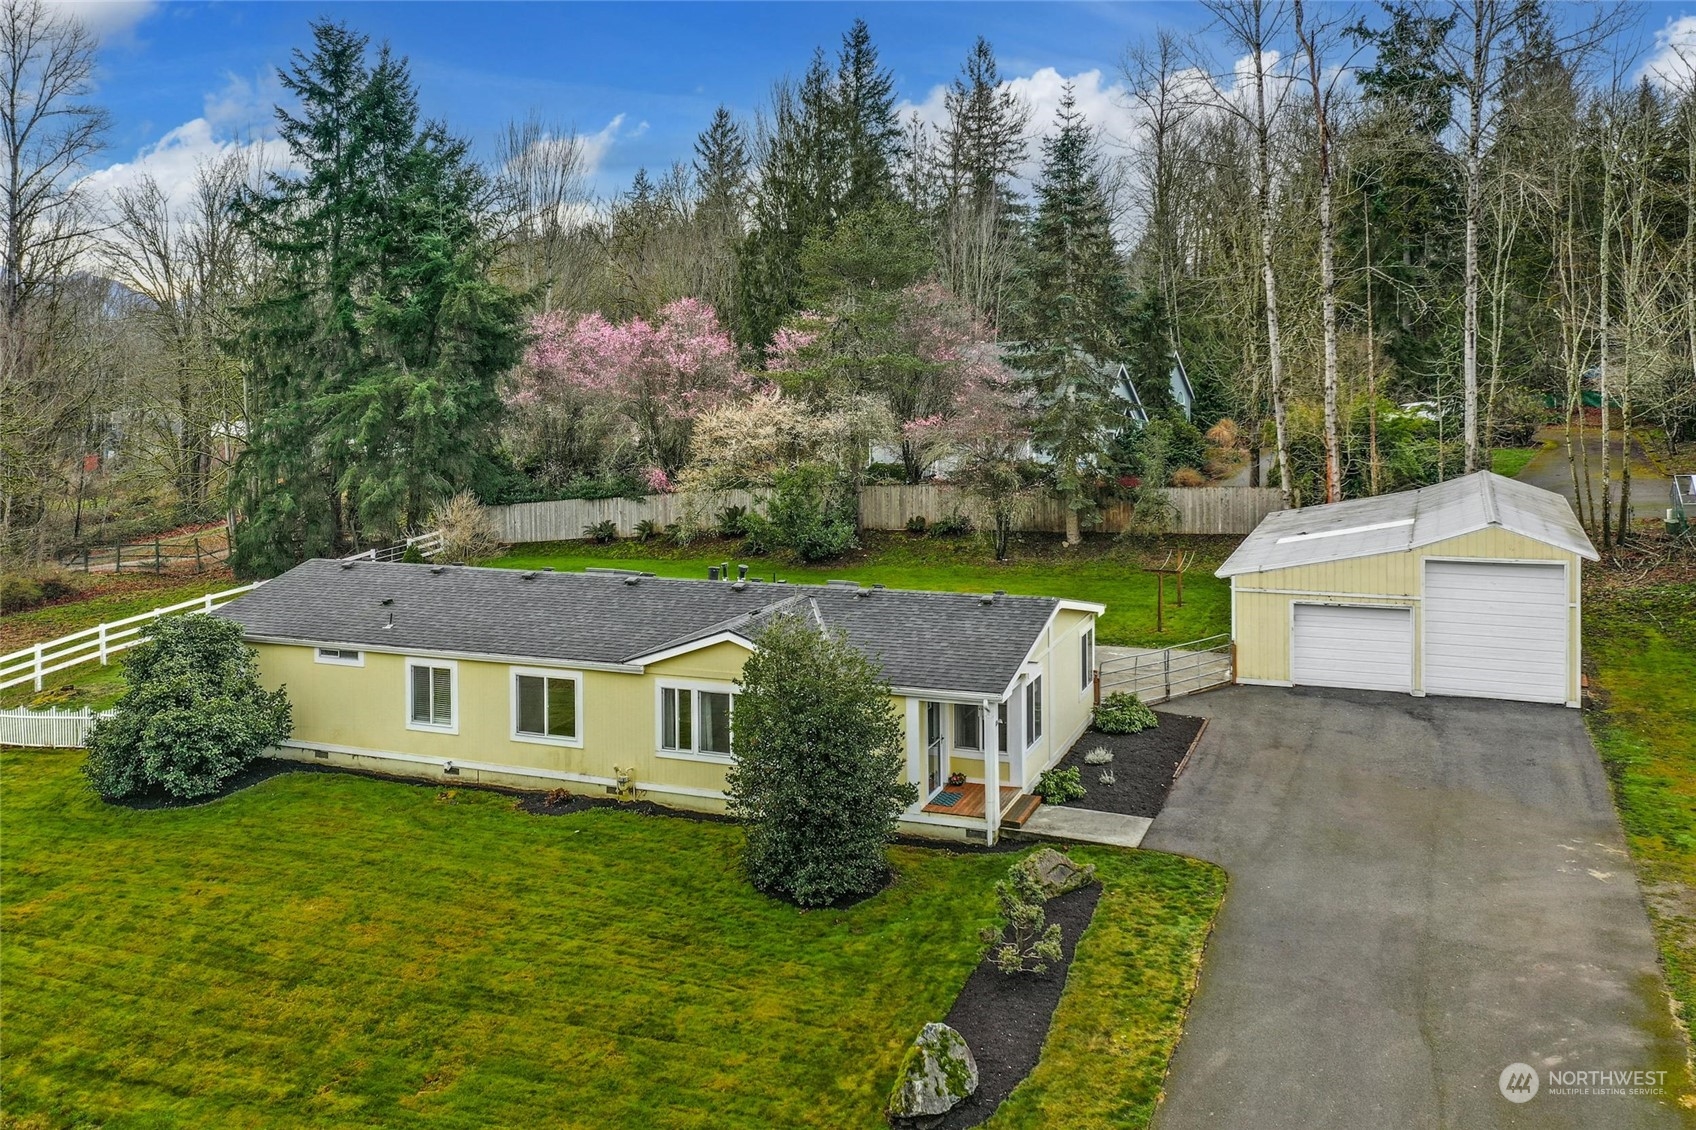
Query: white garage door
<point x="1369" y="647"/>
<point x="1496" y="631"/>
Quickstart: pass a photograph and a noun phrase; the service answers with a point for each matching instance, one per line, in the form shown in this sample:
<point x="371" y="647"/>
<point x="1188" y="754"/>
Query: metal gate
<point x="1158" y="674"/>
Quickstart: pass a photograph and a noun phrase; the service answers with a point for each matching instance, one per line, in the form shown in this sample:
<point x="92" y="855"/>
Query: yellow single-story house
<point x="1470" y="587"/>
<point x="621" y="682"/>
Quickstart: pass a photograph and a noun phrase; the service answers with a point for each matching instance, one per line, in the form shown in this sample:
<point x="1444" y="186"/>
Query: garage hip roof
<point x="962" y="643"/>
<point x="1393" y="523"/>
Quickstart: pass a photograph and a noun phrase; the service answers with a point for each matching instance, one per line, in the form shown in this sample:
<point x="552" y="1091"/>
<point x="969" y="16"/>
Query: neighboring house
<point x="581" y="680"/>
<point x="1177" y="383"/>
<point x="1470" y="587"/>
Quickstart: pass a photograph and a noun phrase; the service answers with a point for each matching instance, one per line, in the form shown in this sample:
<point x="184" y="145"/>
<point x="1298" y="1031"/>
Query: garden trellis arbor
<point x="1172" y="568"/>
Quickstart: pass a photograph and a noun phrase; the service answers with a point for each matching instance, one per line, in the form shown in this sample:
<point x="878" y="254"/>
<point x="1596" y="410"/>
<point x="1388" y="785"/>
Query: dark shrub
<point x="193" y="717"/>
<point x="819" y="777"/>
<point x="1124" y="713"/>
<point x="1057" y="786"/>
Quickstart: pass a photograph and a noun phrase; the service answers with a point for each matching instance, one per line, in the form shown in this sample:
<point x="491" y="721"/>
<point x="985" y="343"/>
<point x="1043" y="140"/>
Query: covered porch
<point x="968" y="800"/>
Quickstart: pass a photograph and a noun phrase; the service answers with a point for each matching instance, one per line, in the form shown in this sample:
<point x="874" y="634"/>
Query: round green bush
<point x="1123" y="713"/>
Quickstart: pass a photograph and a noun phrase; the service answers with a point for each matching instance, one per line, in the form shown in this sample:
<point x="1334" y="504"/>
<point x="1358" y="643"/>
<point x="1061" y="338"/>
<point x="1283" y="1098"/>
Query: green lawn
<point x="1510" y="461"/>
<point x="1103" y="570"/>
<point x="1641" y="644"/>
<point x="326" y="950"/>
<point x="108" y="598"/>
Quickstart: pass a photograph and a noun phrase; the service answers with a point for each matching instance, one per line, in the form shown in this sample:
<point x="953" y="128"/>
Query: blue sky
<point x="184" y="79"/>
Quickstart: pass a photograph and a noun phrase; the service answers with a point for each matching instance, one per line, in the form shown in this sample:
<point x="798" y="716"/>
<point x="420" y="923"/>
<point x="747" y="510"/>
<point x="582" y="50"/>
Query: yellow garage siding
<point x="1261" y="601"/>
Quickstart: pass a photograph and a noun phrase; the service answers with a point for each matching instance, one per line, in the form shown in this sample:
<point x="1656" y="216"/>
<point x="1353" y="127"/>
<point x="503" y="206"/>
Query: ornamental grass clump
<point x="1123" y="713"/>
<point x="193" y="717"/>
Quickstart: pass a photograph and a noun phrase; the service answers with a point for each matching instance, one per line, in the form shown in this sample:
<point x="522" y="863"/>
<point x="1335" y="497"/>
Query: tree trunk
<point x="1474" y="208"/>
<point x="1274" y="338"/>
<point x="1327" y="263"/>
<point x="1074" y="533"/>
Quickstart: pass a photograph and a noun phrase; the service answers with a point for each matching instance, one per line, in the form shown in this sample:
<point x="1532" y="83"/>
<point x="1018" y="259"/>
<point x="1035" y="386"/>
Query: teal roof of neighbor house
<point x="942" y="641"/>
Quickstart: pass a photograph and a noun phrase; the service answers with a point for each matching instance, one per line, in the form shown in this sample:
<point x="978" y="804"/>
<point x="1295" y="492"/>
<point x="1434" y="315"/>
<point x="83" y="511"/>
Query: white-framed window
<point x="432" y="694"/>
<point x="1086" y="653"/>
<point x="968" y="727"/>
<point x="1033" y="711"/>
<point x="343" y="656"/>
<point x="694" y="720"/>
<point x="547" y="706"/>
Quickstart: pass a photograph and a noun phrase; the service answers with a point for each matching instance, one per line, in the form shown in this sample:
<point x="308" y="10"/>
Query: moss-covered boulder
<point x="1056" y="873"/>
<point x="937" y="1072"/>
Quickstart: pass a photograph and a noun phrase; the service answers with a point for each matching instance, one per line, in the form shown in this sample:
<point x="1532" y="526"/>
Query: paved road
<point x="1551" y="470"/>
<point x="1423" y="892"/>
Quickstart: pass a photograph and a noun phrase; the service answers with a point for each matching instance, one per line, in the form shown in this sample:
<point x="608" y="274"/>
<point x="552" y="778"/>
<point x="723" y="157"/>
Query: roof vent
<point x="1000" y="592"/>
<point x="547" y="568"/>
<point x="741" y="572"/>
<point x="712" y="572"/>
<point x="347" y="564"/>
<point x="877" y="586"/>
<point x="863" y="592"/>
<point x="437" y="570"/>
<point x="388" y="600"/>
<point x="633" y="581"/>
<point x="986" y="601"/>
<point x="739" y="584"/>
<point x="528" y="575"/>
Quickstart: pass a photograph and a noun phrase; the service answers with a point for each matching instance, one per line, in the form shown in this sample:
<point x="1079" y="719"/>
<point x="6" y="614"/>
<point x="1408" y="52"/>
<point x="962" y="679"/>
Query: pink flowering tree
<point x="926" y="355"/>
<point x="657" y="377"/>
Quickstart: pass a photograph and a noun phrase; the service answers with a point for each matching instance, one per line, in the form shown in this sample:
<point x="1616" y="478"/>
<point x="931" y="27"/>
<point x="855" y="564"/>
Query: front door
<point x="934" y="745"/>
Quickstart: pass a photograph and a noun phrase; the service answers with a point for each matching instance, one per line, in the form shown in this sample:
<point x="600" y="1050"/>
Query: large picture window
<point x="430" y="691"/>
<point x="547" y="707"/>
<point x="695" y="722"/>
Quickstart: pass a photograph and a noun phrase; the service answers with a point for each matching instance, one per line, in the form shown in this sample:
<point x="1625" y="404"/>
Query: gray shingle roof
<point x="935" y="640"/>
<point x="1392" y="523"/>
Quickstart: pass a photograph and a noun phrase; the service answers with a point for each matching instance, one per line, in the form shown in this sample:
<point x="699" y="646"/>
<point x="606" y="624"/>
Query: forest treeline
<point x="1379" y="242"/>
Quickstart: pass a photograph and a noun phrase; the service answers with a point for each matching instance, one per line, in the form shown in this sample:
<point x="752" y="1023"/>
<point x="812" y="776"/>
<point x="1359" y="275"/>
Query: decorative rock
<point x="1057" y="874"/>
<point x="937" y="1072"/>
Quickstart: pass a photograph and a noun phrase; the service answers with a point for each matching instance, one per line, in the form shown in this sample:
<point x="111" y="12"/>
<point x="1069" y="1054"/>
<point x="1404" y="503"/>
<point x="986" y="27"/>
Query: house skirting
<point x="454" y="772"/>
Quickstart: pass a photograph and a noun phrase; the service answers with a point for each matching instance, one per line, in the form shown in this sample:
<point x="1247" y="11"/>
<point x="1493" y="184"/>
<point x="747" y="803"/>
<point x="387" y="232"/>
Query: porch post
<point x="991" y="796"/>
<point x="915" y="752"/>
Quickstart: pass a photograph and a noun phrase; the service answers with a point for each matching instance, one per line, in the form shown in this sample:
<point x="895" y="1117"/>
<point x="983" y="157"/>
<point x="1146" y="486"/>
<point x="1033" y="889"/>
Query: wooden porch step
<point x="1022" y="810"/>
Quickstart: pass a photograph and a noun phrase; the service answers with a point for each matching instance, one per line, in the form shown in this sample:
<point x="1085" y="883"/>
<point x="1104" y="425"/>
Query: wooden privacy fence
<point x="1198" y="510"/>
<point x="49" y="729"/>
<point x="99" y="643"/>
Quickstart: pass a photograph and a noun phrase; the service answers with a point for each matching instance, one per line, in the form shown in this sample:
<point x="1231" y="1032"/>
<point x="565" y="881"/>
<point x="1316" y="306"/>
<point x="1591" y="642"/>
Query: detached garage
<point x="1470" y="587"/>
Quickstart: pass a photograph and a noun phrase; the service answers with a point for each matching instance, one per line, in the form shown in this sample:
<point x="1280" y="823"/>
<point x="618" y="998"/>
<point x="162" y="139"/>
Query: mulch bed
<point x="1004" y="1018"/>
<point x="1142" y="766"/>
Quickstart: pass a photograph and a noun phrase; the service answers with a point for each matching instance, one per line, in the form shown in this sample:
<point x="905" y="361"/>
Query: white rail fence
<point x="427" y="544"/>
<point x="1159" y="674"/>
<point x="99" y="643"/>
<point x="49" y="729"/>
<point x="1198" y="510"/>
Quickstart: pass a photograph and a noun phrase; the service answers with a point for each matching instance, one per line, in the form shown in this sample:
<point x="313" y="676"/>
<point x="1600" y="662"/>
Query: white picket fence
<point x="49" y="729"/>
<point x="99" y="643"/>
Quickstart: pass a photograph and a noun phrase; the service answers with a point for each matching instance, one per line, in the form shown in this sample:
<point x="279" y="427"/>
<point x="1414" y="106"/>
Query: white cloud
<point x="235" y="118"/>
<point x="1672" y="64"/>
<point x="106" y="18"/>
<point x="595" y="146"/>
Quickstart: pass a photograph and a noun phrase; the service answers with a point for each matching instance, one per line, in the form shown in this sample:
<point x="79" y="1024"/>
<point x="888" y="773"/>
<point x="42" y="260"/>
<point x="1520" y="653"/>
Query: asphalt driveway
<point x="1423" y="892"/>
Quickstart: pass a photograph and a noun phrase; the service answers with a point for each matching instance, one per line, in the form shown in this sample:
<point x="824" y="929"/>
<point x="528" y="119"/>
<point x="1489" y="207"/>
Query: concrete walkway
<point x="1423" y="893"/>
<point x="1085" y="826"/>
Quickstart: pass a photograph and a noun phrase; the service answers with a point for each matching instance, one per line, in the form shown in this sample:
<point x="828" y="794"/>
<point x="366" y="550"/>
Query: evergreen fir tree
<point x="376" y="341"/>
<point x="870" y="133"/>
<point x="1075" y="313"/>
<point x="983" y="140"/>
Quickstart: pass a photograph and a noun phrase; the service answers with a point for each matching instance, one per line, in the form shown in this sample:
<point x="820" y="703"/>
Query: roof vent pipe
<point x="724" y="570"/>
<point x="741" y="572"/>
<point x="1000" y="592"/>
<point x="712" y="572"/>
